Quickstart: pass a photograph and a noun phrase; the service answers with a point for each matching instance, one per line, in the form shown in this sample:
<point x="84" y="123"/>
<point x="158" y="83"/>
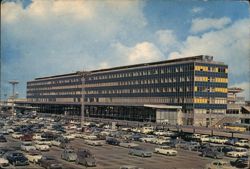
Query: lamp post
<point x="83" y="75"/>
<point x="13" y="83"/>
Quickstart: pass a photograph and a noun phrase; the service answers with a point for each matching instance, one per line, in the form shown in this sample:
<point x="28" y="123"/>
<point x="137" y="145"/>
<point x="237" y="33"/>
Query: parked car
<point x="42" y="147"/>
<point x="211" y="152"/>
<point x="243" y="143"/>
<point x="219" y="140"/>
<point x="17" y="135"/>
<point x="69" y="155"/>
<point x="129" y="167"/>
<point x="193" y="146"/>
<point x="85" y="157"/>
<point x="204" y="138"/>
<point x="16" y="158"/>
<point x="94" y="142"/>
<point x="231" y="141"/>
<point x="2" y="139"/>
<point x="241" y="163"/>
<point x="135" y="137"/>
<point x="166" y="150"/>
<point x="238" y="152"/>
<point x="112" y="141"/>
<point x="128" y="144"/>
<point x="33" y="156"/>
<point x="139" y="151"/>
<point x="147" y="138"/>
<point x="49" y="162"/>
<point x="27" y="146"/>
<point x="181" y="144"/>
<point x="219" y="164"/>
<point x="26" y="137"/>
<point x="3" y="162"/>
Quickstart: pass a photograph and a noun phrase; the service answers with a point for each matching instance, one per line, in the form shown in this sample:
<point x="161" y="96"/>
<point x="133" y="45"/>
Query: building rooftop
<point x="203" y="58"/>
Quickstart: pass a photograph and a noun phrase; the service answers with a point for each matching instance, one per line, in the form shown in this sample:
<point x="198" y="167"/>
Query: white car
<point x="148" y="138"/>
<point x="238" y="152"/>
<point x="94" y="142"/>
<point x="219" y="140"/>
<point x="27" y="146"/>
<point x="37" y="136"/>
<point x="128" y="144"/>
<point x="69" y="136"/>
<point x="160" y="133"/>
<point x="3" y="162"/>
<point x="89" y="137"/>
<point x="219" y="164"/>
<point x="160" y="141"/>
<point x="204" y="138"/>
<point x="42" y="147"/>
<point x="17" y="135"/>
<point x="243" y="143"/>
<point x="43" y="141"/>
<point x="34" y="156"/>
<point x="166" y="150"/>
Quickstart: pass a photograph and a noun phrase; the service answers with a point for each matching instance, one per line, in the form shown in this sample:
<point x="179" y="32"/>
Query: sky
<point x="46" y="37"/>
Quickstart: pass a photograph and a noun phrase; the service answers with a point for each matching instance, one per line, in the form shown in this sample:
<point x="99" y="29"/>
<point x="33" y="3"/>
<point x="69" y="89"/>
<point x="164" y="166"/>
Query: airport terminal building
<point x="188" y="91"/>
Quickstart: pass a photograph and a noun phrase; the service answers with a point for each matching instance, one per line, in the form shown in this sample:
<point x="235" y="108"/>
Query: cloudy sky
<point x="46" y="37"/>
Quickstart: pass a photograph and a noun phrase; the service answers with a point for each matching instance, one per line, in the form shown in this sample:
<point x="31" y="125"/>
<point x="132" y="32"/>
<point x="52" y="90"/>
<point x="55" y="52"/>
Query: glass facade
<point x="198" y="84"/>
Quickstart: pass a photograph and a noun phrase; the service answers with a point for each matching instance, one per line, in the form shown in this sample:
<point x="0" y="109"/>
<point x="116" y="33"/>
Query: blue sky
<point x="45" y="37"/>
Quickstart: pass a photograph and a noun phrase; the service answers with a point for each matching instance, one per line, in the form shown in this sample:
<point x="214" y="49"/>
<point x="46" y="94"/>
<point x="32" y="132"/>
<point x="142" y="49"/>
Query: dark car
<point x="26" y="137"/>
<point x="135" y="137"/>
<point x="193" y="146"/>
<point x="85" y="157"/>
<point x="16" y="158"/>
<point x="112" y="141"/>
<point x="231" y="141"/>
<point x="2" y="139"/>
<point x="211" y="152"/>
<point x="240" y="162"/>
<point x="49" y="162"/>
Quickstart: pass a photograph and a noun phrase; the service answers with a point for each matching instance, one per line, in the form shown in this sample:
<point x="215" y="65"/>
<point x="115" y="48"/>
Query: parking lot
<point x="110" y="156"/>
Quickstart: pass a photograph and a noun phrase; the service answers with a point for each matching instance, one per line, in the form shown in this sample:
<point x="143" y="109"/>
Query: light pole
<point x="13" y="83"/>
<point x="83" y="75"/>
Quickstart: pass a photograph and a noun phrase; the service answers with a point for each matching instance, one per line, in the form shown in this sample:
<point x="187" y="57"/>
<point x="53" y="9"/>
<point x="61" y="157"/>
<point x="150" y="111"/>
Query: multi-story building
<point x="237" y="108"/>
<point x="196" y="85"/>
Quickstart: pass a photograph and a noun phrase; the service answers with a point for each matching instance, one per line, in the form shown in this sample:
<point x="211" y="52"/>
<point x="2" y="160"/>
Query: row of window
<point x="73" y="80"/>
<point x="210" y="79"/>
<point x="210" y="100"/>
<point x="210" y="89"/>
<point x="143" y="72"/>
<point x="211" y="69"/>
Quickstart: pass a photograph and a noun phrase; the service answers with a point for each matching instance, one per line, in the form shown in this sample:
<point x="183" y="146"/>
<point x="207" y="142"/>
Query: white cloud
<point x="197" y="10"/>
<point x="55" y="37"/>
<point x="200" y="25"/>
<point x="230" y="45"/>
<point x="140" y="53"/>
<point x="166" y="39"/>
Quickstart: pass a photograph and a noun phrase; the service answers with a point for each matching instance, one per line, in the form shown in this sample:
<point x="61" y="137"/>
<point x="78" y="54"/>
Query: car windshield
<point x="17" y="154"/>
<point x="27" y="144"/>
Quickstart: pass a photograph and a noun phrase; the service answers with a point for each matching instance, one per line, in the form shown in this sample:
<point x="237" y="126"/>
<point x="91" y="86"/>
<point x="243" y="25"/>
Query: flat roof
<point x="191" y="58"/>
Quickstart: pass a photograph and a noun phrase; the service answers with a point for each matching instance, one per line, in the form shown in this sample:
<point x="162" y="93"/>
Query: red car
<point x="26" y="137"/>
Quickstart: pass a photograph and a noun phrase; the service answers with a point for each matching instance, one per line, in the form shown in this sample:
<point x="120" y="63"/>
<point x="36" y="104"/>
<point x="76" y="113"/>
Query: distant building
<point x="237" y="107"/>
<point x="195" y="85"/>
